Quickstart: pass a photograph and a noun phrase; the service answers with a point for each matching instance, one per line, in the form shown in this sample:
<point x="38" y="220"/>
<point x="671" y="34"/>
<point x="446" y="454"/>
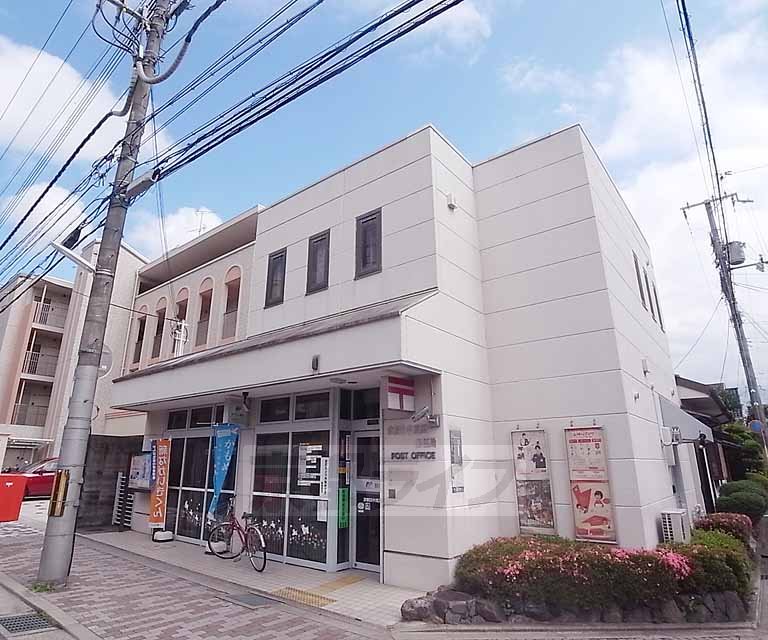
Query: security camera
<point x="420" y="414"/>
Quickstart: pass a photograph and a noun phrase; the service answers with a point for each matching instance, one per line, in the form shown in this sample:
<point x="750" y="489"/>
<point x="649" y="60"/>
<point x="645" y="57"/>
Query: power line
<point x="733" y="173"/>
<point x="37" y="57"/>
<point x="727" y="339"/>
<point x="703" y="331"/>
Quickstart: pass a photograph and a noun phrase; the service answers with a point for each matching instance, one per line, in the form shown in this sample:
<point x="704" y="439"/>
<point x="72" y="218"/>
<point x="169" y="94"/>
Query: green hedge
<point x="759" y="478"/>
<point x="735" y="524"/>
<point x="739" y="486"/>
<point x="749" y="503"/>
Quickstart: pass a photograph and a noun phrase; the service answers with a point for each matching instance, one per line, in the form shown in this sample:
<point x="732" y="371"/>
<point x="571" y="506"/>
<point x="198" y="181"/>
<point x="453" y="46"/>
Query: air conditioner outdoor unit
<point x="675" y="526"/>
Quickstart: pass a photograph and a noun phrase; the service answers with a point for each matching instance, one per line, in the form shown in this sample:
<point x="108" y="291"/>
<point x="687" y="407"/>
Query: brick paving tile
<point x="123" y="600"/>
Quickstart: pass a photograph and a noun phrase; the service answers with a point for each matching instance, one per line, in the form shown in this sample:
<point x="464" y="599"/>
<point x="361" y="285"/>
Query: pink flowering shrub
<point x="569" y="575"/>
<point x="735" y="524"/>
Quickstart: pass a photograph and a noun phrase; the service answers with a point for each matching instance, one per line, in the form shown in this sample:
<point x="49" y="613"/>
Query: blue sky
<point x="490" y="75"/>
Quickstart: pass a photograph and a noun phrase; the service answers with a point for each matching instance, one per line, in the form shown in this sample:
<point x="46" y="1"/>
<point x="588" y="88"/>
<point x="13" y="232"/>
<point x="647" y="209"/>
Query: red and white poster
<point x="158" y="497"/>
<point x="590" y="489"/>
<point x="401" y="394"/>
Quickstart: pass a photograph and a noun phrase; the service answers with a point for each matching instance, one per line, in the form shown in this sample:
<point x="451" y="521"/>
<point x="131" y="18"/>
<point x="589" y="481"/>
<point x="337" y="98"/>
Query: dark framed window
<point x="639" y="280"/>
<point x="270" y="466"/>
<point x="201" y="417"/>
<point x="177" y="419"/>
<point x="314" y="405"/>
<point x="650" y="299"/>
<point x="365" y="404"/>
<point x="219" y="417"/>
<point x="275" y="278"/>
<point x="368" y="244"/>
<point x="196" y="462"/>
<point x="345" y="404"/>
<point x="307" y="451"/>
<point x="318" y="261"/>
<point x="142" y="326"/>
<point x="275" y="410"/>
<point x="658" y="308"/>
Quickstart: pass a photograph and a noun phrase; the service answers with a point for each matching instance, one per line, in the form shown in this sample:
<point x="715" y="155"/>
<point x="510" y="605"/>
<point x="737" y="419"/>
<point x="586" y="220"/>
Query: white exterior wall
<point x="534" y="321"/>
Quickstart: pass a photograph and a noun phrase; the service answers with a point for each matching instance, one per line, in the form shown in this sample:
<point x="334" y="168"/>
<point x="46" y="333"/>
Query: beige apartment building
<point x="422" y="353"/>
<point x="39" y="337"/>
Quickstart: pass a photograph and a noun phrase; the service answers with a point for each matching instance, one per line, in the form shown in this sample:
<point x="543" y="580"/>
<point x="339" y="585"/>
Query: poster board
<point x="593" y="516"/>
<point x="535" y="508"/>
<point x="140" y="472"/>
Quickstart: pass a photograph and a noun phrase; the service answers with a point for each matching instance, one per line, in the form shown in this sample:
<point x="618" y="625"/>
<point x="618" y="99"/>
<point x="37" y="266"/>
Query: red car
<point x="40" y="476"/>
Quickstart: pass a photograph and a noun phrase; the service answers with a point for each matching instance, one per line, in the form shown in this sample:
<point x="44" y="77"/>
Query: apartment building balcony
<point x="29" y="414"/>
<point x="48" y="315"/>
<point x="39" y="364"/>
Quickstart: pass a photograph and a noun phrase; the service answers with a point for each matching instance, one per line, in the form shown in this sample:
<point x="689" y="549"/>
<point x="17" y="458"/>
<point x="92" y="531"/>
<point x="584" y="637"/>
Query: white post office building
<point x="395" y="339"/>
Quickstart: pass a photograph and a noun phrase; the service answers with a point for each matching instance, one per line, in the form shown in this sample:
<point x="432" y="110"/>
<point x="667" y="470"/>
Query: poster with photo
<point x="535" y="508"/>
<point x="590" y="490"/>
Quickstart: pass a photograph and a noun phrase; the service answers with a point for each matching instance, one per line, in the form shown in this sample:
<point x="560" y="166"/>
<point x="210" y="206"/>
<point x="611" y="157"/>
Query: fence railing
<point x="29" y="414"/>
<point x="39" y="364"/>
<point x="50" y="314"/>
<point x="201" y="335"/>
<point x="229" y="326"/>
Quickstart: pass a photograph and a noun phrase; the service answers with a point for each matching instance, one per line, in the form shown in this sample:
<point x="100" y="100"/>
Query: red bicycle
<point x="229" y="539"/>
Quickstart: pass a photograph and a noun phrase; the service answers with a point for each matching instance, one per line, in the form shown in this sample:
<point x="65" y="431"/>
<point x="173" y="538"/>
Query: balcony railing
<point x="50" y="314"/>
<point x="29" y="414"/>
<point x="201" y="336"/>
<point x="39" y="364"/>
<point x="229" y="326"/>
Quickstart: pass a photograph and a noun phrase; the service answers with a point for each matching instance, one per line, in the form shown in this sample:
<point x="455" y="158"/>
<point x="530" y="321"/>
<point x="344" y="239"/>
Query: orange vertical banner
<point x="158" y="498"/>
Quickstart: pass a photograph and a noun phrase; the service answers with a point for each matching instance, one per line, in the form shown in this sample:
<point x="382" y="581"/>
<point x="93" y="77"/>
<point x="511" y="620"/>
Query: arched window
<point x="141" y="328"/>
<point x="204" y="318"/>
<point x="232" y="283"/>
<point x="157" y="341"/>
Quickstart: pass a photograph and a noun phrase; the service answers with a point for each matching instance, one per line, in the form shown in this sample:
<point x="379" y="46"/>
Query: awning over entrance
<point x="674" y="417"/>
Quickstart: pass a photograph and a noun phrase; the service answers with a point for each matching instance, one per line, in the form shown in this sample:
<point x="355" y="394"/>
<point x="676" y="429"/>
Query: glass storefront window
<point x="171" y="509"/>
<point x="191" y="514"/>
<point x="345" y="404"/>
<point x="270" y="513"/>
<point x="177" y="420"/>
<point x="275" y="410"/>
<point x="271" y="463"/>
<point x="365" y="404"/>
<point x="307" y="451"/>
<point x="196" y="462"/>
<point x="229" y="481"/>
<point x="177" y="457"/>
<point x="219" y="417"/>
<point x="201" y="417"/>
<point x="307" y="529"/>
<point x="222" y="506"/>
<point x="312" y="406"/>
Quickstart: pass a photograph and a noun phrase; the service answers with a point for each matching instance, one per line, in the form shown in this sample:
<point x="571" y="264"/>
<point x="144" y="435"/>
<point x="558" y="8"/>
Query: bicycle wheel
<point x="225" y="541"/>
<point x="256" y="548"/>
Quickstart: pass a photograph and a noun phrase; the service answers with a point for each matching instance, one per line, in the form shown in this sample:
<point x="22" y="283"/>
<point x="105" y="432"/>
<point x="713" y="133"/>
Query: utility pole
<point x="724" y="268"/>
<point x="58" y="546"/>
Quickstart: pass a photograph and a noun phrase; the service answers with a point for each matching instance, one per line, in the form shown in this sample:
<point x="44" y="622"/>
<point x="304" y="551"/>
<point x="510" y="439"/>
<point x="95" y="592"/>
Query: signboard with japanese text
<point x="158" y="498"/>
<point x="590" y="489"/>
<point x="140" y="474"/>
<point x="535" y="510"/>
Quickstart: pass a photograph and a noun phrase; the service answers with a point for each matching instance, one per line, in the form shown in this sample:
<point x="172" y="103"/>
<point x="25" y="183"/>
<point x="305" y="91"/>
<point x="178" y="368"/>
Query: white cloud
<point x="15" y="60"/>
<point x="185" y="224"/>
<point x="528" y="76"/>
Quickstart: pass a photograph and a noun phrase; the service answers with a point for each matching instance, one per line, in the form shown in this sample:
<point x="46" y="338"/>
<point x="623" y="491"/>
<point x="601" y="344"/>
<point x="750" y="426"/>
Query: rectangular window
<point x="639" y="280"/>
<point x="312" y="406"/>
<point x="318" y="261"/>
<point x="142" y="327"/>
<point x="275" y="278"/>
<point x="200" y="417"/>
<point x="275" y="410"/>
<point x="177" y="420"/>
<point x="648" y="289"/>
<point x="307" y="452"/>
<point x="365" y="404"/>
<point x="658" y="308"/>
<point x="157" y="342"/>
<point x="219" y="417"/>
<point x="229" y="326"/>
<point x="270" y="465"/>
<point x="201" y="337"/>
<point x="368" y="244"/>
<point x="196" y="463"/>
<point x="181" y="310"/>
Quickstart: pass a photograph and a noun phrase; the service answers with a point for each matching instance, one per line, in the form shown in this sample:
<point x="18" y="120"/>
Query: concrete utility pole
<point x="724" y="269"/>
<point x="58" y="546"/>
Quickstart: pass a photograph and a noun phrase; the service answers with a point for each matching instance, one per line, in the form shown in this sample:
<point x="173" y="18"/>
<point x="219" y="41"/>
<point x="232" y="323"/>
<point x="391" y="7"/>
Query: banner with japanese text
<point x="158" y="497"/>
<point x="224" y="441"/>
<point x="590" y="489"/>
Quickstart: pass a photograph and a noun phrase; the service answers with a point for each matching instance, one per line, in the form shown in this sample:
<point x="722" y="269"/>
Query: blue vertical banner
<point x="225" y="439"/>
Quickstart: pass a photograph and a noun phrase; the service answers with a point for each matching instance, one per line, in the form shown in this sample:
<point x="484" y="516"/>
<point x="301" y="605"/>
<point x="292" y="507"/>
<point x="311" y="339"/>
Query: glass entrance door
<point x="366" y="486"/>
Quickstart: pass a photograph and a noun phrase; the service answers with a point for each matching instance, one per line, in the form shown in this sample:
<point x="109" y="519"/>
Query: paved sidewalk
<point x="117" y="598"/>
